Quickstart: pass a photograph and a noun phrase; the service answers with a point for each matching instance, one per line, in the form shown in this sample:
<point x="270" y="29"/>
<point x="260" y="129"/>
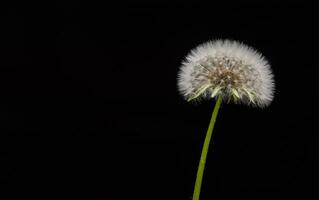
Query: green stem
<point x="202" y="161"/>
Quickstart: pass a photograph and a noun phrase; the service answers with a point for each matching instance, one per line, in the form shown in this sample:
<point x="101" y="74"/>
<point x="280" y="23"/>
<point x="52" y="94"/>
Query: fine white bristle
<point x="228" y="69"/>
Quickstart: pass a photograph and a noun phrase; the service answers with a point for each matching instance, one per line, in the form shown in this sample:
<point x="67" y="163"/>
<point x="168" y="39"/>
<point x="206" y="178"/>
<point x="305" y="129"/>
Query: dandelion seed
<point x="227" y="62"/>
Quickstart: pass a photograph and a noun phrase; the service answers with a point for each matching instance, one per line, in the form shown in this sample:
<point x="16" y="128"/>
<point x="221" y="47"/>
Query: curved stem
<point x="202" y="161"/>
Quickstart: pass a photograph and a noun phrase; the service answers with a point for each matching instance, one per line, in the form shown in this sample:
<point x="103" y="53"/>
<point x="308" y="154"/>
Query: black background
<point x="89" y="104"/>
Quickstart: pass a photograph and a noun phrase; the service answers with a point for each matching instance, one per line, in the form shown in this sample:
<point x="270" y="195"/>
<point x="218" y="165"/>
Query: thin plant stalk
<point x="202" y="161"/>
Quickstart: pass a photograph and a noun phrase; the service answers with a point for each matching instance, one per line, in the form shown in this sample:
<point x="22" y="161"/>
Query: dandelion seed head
<point x="228" y="69"/>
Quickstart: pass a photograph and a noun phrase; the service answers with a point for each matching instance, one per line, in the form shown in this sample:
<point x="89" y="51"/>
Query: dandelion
<point x="227" y="71"/>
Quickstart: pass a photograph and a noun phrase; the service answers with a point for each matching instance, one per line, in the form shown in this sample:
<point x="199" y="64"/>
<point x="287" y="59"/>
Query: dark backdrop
<point x="89" y="105"/>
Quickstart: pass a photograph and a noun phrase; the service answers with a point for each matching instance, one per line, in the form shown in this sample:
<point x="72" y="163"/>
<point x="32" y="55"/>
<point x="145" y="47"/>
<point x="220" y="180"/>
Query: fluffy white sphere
<point x="228" y="69"/>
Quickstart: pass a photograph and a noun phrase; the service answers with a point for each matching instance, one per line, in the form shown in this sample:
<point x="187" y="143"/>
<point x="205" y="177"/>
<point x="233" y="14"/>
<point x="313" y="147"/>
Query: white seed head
<point x="228" y="69"/>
